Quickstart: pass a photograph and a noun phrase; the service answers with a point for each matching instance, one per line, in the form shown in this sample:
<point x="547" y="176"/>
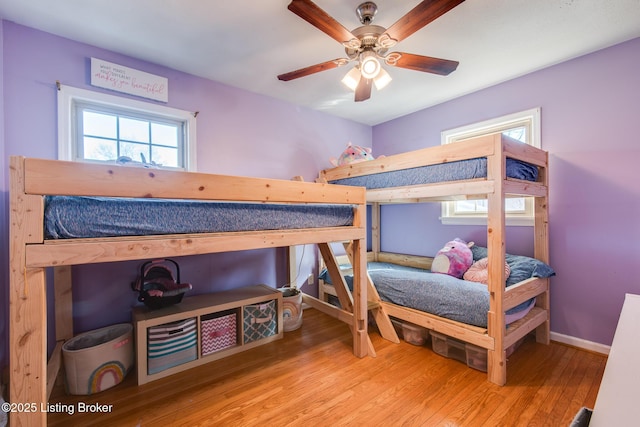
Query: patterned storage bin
<point x="218" y="332"/>
<point x="171" y="344"/>
<point x="260" y="321"/>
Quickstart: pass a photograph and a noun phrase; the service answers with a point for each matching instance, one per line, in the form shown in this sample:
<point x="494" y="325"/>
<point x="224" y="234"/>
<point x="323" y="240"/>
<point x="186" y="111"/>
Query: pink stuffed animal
<point x="353" y="154"/>
<point x="454" y="259"/>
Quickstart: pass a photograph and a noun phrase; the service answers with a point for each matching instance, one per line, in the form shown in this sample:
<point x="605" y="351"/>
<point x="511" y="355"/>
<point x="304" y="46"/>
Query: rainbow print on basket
<point x="291" y="309"/>
<point x="97" y="360"/>
<point x="106" y="376"/>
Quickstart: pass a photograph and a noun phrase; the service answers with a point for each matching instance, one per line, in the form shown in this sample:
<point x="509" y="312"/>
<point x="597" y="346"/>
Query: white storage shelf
<point x="202" y="308"/>
<point x="617" y="401"/>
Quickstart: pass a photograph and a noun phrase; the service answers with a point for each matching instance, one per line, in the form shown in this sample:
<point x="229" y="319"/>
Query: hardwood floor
<point x="311" y="378"/>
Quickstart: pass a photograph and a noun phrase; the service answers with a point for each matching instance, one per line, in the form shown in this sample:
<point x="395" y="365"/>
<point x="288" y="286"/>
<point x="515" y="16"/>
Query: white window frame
<point x="529" y="119"/>
<point x="67" y="136"/>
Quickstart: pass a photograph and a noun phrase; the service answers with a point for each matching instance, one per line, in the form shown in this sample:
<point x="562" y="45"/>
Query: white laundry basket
<point x="97" y="360"/>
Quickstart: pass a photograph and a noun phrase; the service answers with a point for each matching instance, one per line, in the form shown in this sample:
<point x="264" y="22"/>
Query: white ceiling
<point x="246" y="44"/>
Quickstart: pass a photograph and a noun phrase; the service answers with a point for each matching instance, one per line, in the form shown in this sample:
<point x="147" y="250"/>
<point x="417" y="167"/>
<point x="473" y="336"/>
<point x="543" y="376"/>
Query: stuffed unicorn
<point x="353" y="154"/>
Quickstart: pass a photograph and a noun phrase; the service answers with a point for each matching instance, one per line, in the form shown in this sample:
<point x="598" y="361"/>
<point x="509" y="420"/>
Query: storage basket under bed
<point x="260" y="321"/>
<point x="171" y="344"/>
<point x="219" y="331"/>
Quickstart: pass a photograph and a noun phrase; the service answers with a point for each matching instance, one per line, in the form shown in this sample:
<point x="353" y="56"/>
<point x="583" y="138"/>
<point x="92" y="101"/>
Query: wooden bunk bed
<point x="495" y="187"/>
<point x="34" y="181"/>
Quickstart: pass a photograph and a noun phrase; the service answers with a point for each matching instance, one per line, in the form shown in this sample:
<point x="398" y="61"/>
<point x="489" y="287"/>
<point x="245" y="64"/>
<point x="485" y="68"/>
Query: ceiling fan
<point x="369" y="44"/>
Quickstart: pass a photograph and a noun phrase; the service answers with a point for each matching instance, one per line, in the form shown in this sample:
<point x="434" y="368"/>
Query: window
<point x="96" y="127"/>
<point x="524" y="127"/>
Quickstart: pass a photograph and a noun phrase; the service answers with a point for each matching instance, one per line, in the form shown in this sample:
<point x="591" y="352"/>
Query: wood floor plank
<point x="585" y="386"/>
<point x="590" y="399"/>
<point x="504" y="404"/>
<point x="540" y="378"/>
<point x="560" y="384"/>
<point x="311" y="378"/>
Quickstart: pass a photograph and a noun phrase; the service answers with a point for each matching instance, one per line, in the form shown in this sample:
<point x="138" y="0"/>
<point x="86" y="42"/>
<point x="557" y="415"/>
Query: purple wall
<point x="238" y="133"/>
<point x="590" y="109"/>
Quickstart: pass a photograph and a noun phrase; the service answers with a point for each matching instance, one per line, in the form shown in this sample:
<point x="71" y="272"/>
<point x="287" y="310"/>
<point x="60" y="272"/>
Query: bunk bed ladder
<point x="382" y="319"/>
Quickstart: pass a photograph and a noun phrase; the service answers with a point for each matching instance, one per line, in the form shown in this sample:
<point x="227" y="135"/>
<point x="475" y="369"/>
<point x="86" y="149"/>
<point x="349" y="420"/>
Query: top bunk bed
<point x="492" y="167"/>
<point x="465" y="169"/>
<point x="69" y="213"/>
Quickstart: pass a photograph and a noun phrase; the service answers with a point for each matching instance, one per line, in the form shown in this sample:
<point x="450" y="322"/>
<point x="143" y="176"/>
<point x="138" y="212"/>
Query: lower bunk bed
<point x="408" y="291"/>
<point x="68" y="213"/>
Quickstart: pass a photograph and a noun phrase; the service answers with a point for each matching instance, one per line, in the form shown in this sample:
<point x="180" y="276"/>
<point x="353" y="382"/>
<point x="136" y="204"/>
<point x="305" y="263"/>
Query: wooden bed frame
<point x="496" y="338"/>
<point x="31" y="376"/>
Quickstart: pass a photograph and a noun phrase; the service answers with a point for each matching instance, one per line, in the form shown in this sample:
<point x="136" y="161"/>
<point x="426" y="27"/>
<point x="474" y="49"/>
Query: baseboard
<point x="580" y="343"/>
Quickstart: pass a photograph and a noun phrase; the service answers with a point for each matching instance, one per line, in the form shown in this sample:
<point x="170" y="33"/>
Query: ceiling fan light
<point x="369" y="65"/>
<point x="382" y="79"/>
<point x="352" y="78"/>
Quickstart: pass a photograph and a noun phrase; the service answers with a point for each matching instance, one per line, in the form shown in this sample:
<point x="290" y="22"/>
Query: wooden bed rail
<point x="54" y="177"/>
<point x="85" y="251"/>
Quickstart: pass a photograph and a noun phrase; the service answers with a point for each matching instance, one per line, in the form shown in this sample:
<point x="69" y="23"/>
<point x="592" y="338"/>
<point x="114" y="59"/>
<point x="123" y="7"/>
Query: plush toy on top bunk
<point x="353" y="154"/>
<point x="453" y="259"/>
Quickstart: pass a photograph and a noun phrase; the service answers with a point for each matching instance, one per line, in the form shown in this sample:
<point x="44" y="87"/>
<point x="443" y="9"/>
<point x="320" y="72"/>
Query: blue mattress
<point x="82" y="217"/>
<point x="439" y="294"/>
<point x="453" y="171"/>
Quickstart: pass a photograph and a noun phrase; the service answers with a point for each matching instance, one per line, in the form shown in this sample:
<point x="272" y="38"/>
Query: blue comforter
<point x="454" y="171"/>
<point x="78" y="217"/>
<point x="439" y="294"/>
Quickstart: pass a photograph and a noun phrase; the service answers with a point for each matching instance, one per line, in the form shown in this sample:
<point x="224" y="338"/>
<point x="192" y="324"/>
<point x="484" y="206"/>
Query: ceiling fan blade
<point x="424" y="13"/>
<point x="302" y="72"/>
<point x="320" y="19"/>
<point x="428" y="64"/>
<point x="363" y="90"/>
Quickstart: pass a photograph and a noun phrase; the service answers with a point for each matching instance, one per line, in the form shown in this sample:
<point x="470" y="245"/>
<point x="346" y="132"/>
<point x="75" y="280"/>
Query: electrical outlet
<point x="310" y="279"/>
